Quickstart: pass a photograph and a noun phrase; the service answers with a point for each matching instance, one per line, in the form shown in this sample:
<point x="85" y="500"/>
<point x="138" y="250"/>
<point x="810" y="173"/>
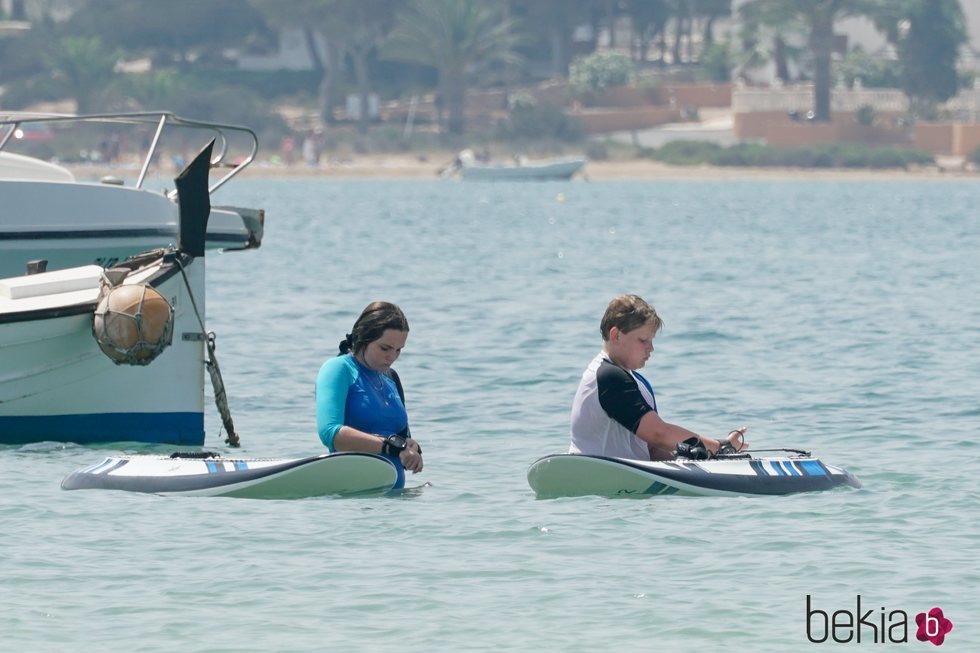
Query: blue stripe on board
<point x="778" y="467"/>
<point x="241" y="465"/>
<point x="792" y="468"/>
<point x="659" y="488"/>
<point x="813" y="468"/>
<point x="212" y="468"/>
<point x="758" y="468"/>
<point x="154" y="428"/>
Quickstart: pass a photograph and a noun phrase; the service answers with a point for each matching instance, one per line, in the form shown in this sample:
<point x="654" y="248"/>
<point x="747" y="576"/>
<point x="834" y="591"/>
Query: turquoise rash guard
<point x="349" y="394"/>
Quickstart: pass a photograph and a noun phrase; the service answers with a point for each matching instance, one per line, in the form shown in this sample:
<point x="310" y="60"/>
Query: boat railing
<point x="11" y="122"/>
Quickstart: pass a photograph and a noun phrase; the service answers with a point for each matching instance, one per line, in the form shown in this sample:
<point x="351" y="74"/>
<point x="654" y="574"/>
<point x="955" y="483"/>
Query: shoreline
<point x="406" y="167"/>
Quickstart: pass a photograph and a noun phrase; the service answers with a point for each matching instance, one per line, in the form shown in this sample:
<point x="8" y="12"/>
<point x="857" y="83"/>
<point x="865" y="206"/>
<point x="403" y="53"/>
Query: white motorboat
<point x="93" y="355"/>
<point x="45" y="213"/>
<point x="471" y="169"/>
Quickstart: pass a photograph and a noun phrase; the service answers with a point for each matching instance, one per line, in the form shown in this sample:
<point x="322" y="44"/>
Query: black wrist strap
<point x="389" y="449"/>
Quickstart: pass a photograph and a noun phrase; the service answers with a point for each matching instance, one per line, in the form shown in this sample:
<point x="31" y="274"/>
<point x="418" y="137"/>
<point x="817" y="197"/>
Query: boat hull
<point x="70" y="224"/>
<point x="566" y="475"/>
<point x="57" y="385"/>
<point x="336" y="474"/>
<point x="556" y="170"/>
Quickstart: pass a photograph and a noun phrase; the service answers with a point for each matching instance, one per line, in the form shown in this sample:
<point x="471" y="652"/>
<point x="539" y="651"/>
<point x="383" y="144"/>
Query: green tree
<point x="554" y="22"/>
<point x="312" y="16"/>
<point x="716" y="62"/>
<point x="927" y="35"/>
<point x="649" y="20"/>
<point x="819" y="17"/>
<point x="451" y="36"/>
<point x="765" y="37"/>
<point x="82" y="67"/>
<point x="682" y="11"/>
<point x="874" y="72"/>
<point x="355" y="28"/>
<point x="710" y="11"/>
<point x="368" y="24"/>
<point x="177" y="31"/>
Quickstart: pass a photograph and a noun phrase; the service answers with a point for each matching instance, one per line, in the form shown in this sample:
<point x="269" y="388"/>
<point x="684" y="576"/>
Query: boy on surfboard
<point x="614" y="412"/>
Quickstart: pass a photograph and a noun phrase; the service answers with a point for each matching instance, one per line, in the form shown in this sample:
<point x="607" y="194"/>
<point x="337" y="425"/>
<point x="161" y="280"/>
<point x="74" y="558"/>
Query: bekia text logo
<point x="874" y="626"/>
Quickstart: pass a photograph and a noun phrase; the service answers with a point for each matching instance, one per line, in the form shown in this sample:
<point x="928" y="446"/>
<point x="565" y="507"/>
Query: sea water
<point x="837" y="316"/>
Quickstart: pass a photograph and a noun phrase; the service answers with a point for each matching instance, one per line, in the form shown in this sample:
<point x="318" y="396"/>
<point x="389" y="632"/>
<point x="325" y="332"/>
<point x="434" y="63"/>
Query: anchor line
<point x="220" y="396"/>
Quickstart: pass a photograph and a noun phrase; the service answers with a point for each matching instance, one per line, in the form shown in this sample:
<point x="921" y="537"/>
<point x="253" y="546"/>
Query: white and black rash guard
<point x="608" y="407"/>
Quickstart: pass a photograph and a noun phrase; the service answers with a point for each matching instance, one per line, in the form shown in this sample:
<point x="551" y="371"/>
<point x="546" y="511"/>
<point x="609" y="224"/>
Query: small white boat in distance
<point x="45" y="213"/>
<point x="471" y="169"/>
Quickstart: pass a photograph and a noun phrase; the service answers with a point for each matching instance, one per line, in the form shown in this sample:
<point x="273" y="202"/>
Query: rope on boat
<point x="220" y="396"/>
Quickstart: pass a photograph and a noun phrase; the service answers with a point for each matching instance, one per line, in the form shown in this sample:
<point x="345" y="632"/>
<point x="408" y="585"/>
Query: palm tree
<point x="311" y="17"/>
<point x="452" y="36"/>
<point x="819" y="17"/>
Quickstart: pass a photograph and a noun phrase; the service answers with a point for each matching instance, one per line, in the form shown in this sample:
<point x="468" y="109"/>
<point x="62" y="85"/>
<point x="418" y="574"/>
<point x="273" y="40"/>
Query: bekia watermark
<point x="877" y="625"/>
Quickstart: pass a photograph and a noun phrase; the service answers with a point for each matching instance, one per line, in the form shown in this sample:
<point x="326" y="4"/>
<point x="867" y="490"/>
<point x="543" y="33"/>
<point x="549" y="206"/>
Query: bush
<point x="597" y="151"/>
<point x="716" y="63"/>
<point x="837" y="155"/>
<point x="744" y="154"/>
<point x="530" y="120"/>
<point x="886" y="158"/>
<point x="974" y="156"/>
<point x="598" y="71"/>
<point x="873" y="72"/>
<point x="865" y="115"/>
<point x="686" y="153"/>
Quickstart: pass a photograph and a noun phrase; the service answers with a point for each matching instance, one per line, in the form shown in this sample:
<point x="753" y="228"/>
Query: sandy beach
<point x="408" y="167"/>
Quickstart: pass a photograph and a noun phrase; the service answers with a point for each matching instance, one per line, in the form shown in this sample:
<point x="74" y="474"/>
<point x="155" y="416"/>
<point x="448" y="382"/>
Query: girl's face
<point x="381" y="354"/>
<point x="631" y="349"/>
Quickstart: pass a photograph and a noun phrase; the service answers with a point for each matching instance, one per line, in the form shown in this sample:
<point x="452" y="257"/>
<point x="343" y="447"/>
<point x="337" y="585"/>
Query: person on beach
<point x="360" y="403"/>
<point x="614" y="412"/>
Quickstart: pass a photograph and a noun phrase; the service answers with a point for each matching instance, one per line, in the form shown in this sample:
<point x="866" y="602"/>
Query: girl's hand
<point x="411" y="457"/>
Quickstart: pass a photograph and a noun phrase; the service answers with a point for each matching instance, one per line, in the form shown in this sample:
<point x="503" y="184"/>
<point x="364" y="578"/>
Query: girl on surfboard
<point x="360" y="403"/>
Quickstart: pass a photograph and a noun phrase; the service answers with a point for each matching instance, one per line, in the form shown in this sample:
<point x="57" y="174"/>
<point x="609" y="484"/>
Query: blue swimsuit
<point x="349" y="394"/>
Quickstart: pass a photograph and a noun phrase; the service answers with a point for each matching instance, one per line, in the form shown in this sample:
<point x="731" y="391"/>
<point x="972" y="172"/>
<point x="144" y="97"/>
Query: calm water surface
<point x="842" y="317"/>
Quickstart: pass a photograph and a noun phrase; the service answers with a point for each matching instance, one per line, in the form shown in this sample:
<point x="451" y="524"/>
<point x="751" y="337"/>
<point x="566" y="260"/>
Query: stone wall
<point x="936" y="138"/>
<point x="603" y="121"/>
<point x="696" y="95"/>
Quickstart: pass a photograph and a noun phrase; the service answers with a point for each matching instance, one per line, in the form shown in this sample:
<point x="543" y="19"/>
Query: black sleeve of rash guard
<point x="619" y="396"/>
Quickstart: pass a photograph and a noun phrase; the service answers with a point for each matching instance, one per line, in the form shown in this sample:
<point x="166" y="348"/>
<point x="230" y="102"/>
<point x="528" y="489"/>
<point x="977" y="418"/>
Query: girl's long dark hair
<point x="374" y="320"/>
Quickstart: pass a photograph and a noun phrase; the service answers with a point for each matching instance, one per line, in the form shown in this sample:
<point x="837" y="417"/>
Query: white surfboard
<point x="339" y="474"/>
<point x="566" y="475"/>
